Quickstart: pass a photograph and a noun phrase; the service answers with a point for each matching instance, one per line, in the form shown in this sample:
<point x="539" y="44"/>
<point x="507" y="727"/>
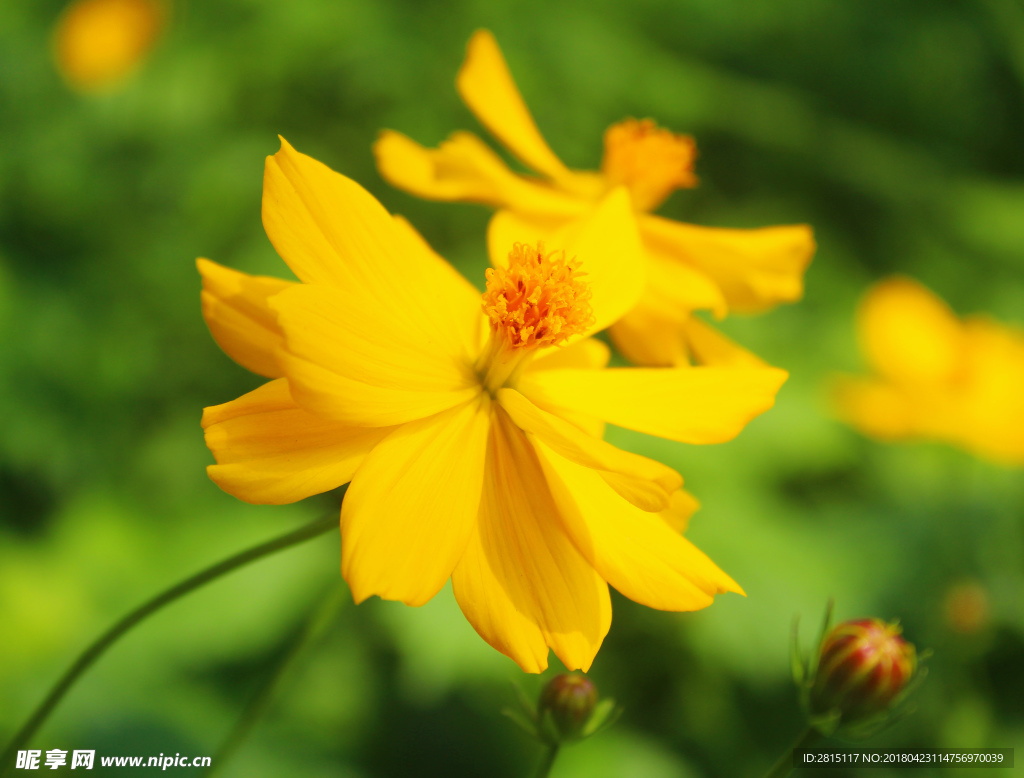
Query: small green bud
<point x="570" y="700"/>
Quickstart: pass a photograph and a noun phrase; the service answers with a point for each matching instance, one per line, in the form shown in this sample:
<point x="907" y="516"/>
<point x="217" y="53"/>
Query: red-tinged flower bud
<point x="570" y="698"/>
<point x="863" y="666"/>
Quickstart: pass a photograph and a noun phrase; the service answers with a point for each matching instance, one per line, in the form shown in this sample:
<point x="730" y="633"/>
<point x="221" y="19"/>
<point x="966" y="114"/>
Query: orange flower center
<point x="538" y="300"/>
<point x="650" y="160"/>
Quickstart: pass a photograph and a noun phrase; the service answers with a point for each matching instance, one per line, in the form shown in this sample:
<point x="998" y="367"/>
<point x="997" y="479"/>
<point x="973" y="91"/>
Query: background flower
<point x="937" y="377"/>
<point x="688" y="267"/>
<point x="893" y="128"/>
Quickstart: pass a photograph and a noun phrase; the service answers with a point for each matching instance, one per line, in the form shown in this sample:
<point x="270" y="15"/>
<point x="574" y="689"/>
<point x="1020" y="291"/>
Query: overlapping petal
<point x="691" y="405"/>
<point x="681" y="507"/>
<point x="413" y="504"/>
<point x="755" y="269"/>
<point x="521" y="583"/>
<point x="644" y="482"/>
<point x="332" y="232"/>
<point x="636" y="552"/>
<point x="588" y="354"/>
<point x="605" y="241"/>
<point x="236" y="311"/>
<point x="486" y="86"/>
<point x="269" y="450"/>
<point x="347" y="360"/>
<point x="463" y="168"/>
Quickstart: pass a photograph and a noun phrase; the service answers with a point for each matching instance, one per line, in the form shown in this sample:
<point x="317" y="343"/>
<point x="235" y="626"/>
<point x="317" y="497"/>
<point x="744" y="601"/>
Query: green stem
<point x="319" y="620"/>
<point x="784" y="766"/>
<point x="544" y="768"/>
<point x="88" y="657"/>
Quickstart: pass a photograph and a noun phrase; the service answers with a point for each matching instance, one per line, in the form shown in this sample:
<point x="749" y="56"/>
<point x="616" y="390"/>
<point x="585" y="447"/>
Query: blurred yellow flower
<point x="937" y="377"/>
<point x="688" y="267"/>
<point x="98" y="42"/>
<point x="470" y="429"/>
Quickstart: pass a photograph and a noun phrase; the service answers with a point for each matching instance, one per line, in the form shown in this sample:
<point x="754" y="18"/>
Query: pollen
<point x="540" y="299"/>
<point x="650" y="160"/>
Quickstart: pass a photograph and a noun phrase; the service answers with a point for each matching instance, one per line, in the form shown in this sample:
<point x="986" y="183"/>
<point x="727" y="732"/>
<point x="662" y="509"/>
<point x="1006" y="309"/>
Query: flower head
<point x="686" y="267"/>
<point x="470" y="429"/>
<point x="98" y="42"/>
<point x="936" y="377"/>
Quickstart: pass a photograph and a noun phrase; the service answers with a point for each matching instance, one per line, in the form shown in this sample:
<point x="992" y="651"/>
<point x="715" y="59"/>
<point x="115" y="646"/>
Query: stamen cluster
<point x="539" y="299"/>
<point x="649" y="159"/>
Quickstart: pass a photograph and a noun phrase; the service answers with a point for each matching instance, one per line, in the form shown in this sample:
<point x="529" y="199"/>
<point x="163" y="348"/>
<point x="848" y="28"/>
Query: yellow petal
<point x="876" y="408"/>
<point x="467" y="319"/>
<point x="645" y="338"/>
<point x="236" y="311"/>
<point x="755" y="269"/>
<point x="675" y="288"/>
<point x="708" y="346"/>
<point x="464" y="168"/>
<point x="993" y="403"/>
<point x="333" y="232"/>
<point x="268" y="450"/>
<point x="681" y="508"/>
<point x="589" y="353"/>
<point x="692" y="404"/>
<point x="605" y="241"/>
<point x="908" y="334"/>
<point x="521" y="583"/>
<point x="635" y="551"/>
<point x="644" y="482"/>
<point x="486" y="86"/>
<point x="412" y="506"/>
<point x="349" y="361"/>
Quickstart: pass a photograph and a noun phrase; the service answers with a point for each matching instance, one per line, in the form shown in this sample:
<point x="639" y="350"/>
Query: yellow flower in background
<point x="470" y="428"/>
<point x="98" y="42"/>
<point x="937" y="377"/>
<point x="688" y="267"/>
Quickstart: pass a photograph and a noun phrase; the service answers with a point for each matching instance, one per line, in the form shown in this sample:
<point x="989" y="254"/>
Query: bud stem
<point x="544" y="768"/>
<point x="784" y="766"/>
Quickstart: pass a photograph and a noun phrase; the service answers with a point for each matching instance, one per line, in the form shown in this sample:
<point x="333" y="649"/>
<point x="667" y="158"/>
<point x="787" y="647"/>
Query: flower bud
<point x="863" y="665"/>
<point x="570" y="698"/>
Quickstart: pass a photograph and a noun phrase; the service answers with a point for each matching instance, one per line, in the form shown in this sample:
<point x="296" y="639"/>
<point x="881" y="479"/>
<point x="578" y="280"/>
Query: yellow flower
<point x="98" y="42"/>
<point x="937" y="377"/>
<point x="470" y="428"/>
<point x="688" y="267"/>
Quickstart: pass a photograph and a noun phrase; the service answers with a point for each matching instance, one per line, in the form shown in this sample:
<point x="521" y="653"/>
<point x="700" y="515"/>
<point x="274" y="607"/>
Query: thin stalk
<point x="317" y="623"/>
<point x="544" y="768"/>
<point x="784" y="766"/>
<point x="89" y="656"/>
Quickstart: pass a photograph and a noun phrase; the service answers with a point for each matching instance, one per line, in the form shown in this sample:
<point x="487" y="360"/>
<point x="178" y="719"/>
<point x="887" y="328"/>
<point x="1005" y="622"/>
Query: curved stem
<point x="89" y="656"/>
<point x="319" y="620"/>
<point x="544" y="768"/>
<point x="784" y="766"/>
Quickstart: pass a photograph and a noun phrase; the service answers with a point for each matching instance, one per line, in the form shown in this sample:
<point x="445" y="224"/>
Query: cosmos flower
<point x="469" y="427"/>
<point x="688" y="267"/>
<point x="936" y="377"/>
<point x="98" y="42"/>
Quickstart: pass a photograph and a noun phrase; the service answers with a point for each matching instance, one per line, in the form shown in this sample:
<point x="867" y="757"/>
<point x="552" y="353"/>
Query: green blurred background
<point x="894" y="128"/>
